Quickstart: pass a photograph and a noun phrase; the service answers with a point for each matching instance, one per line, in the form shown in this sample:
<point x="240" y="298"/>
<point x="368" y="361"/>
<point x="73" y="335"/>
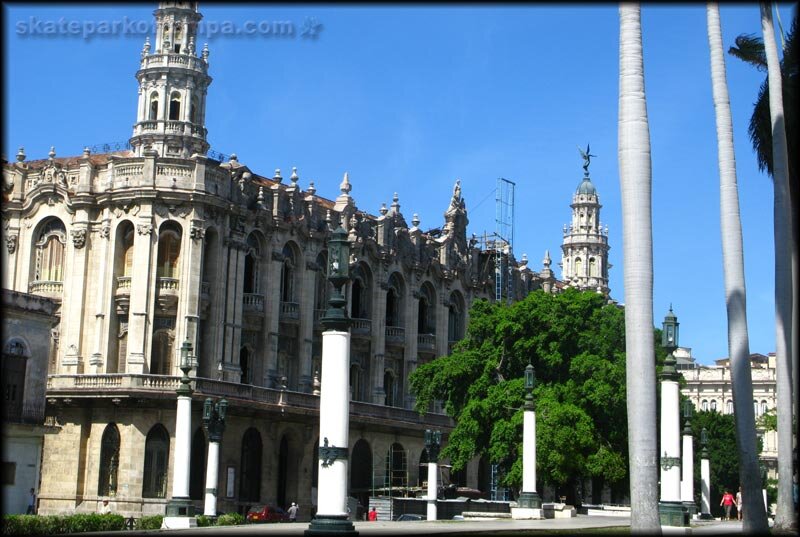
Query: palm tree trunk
<point x="785" y="517"/>
<point x="755" y="516"/>
<point x="636" y="188"/>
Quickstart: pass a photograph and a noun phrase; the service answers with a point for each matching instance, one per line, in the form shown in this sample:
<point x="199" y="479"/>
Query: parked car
<point x="266" y="513"/>
<point x="405" y="517"/>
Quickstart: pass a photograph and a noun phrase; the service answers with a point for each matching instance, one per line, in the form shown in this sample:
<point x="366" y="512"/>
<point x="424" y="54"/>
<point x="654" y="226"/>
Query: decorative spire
<point x="146" y="47"/>
<point x="52" y="153"/>
<point x="546" y="261"/>
<point x="205" y="52"/>
<point x="396" y="204"/>
<point x="86" y="152"/>
<point x="345" y="187"/>
<point x="233" y="158"/>
<point x="383" y="210"/>
<point x="260" y="198"/>
<point x="311" y="188"/>
<point x="524" y="262"/>
<point x="294" y="177"/>
<point x="277" y="177"/>
<point x="190" y="46"/>
<point x="21" y="154"/>
<point x="415" y="220"/>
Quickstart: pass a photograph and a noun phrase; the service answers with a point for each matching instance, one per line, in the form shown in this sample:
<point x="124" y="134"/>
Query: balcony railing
<point x="47" y="288"/>
<point x="173" y="60"/>
<point x="253" y="303"/>
<point x="361" y="327"/>
<point x="238" y="395"/>
<point x="168" y="285"/>
<point x="426" y="342"/>
<point x="123" y="285"/>
<point x="290" y="311"/>
<point x="395" y="335"/>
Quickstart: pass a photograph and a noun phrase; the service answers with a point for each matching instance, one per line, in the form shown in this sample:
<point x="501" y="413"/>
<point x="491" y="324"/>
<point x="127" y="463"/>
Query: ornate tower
<point x="173" y="83"/>
<point x="584" y="250"/>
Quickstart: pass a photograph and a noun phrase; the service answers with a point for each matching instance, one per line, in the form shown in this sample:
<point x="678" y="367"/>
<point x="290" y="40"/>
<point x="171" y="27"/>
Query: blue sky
<point x="408" y="99"/>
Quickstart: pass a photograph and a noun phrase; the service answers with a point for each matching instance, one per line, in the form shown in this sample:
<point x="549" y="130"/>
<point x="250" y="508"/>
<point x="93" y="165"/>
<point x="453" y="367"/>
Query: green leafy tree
<point x="575" y="341"/>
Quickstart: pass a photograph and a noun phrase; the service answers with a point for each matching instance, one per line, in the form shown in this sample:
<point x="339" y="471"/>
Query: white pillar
<point x="433" y="487"/>
<point x="670" y="441"/>
<point x="705" y="487"/>
<point x="687" y="482"/>
<point x="212" y="475"/>
<point x="529" y="451"/>
<point x="183" y="439"/>
<point x="334" y="409"/>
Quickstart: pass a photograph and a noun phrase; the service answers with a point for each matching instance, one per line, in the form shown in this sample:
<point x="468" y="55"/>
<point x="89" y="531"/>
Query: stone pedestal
<point x="526" y="513"/>
<point x="673" y="514"/>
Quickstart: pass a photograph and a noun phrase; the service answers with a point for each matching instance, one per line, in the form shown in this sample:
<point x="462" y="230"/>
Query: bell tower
<point x="173" y="82"/>
<point x="584" y="250"/>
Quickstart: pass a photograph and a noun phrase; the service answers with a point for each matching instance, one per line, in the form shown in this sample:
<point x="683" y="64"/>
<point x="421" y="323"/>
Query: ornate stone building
<point x="144" y="249"/>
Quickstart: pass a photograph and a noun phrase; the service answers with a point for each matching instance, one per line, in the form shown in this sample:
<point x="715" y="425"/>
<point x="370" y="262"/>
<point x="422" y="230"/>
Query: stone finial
<point x="345" y="187"/>
<point x="277" y="177"/>
<point x="395" y="203"/>
<point x="415" y="220"/>
<point x="146" y="47"/>
<point x="260" y="197"/>
<point x="328" y="217"/>
<point x="353" y="221"/>
<point x="383" y="210"/>
<point x="233" y="158"/>
<point x="524" y="261"/>
<point x="316" y="384"/>
<point x="190" y="46"/>
<point x="205" y="52"/>
<point x="311" y="188"/>
<point x="606" y="229"/>
<point x="294" y="177"/>
<point x="86" y="152"/>
<point x="21" y="154"/>
<point x="546" y="261"/>
<point x="52" y="153"/>
<point x="565" y="229"/>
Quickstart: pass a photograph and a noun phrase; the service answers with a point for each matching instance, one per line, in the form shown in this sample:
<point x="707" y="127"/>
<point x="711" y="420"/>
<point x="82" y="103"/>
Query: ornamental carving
<point x="196" y="232"/>
<point x="144" y="229"/>
<point x="105" y="231"/>
<point x="11" y="243"/>
<point x="79" y="238"/>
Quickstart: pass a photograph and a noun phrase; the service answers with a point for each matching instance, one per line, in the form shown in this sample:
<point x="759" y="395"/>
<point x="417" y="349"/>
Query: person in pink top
<point x="727" y="501"/>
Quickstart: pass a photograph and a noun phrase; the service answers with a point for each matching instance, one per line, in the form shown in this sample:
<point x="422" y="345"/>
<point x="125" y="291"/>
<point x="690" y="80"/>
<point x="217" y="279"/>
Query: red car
<point x="266" y="513"/>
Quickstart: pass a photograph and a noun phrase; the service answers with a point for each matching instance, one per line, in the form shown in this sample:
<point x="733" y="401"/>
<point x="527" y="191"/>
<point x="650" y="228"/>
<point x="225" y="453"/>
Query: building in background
<point x="166" y="241"/>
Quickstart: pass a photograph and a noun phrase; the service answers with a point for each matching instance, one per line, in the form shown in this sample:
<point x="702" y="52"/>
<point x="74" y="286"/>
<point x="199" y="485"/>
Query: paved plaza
<point x="458" y="527"/>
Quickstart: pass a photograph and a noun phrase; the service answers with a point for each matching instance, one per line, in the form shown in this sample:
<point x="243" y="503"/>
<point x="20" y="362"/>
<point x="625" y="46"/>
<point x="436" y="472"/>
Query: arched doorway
<point x="361" y="472"/>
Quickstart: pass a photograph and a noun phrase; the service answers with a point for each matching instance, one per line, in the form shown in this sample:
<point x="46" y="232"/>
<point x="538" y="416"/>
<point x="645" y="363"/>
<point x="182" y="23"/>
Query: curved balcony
<point x="122" y="295"/>
<point x="253" y="303"/>
<point x="174" y="60"/>
<point x="426" y="342"/>
<point x="395" y="335"/>
<point x="167" y="291"/>
<point x="47" y="288"/>
<point x="290" y="311"/>
<point x="361" y="328"/>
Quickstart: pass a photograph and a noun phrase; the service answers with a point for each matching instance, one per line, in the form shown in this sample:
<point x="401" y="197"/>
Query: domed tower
<point x="173" y="82"/>
<point x="584" y="250"/>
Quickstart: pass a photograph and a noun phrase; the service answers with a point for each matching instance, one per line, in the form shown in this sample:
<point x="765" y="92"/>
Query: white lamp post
<point x="529" y="502"/>
<point x="705" y="478"/>
<point x="687" y="481"/>
<point x="180" y="512"/>
<point x="433" y="442"/>
<point x="334" y="400"/>
<point x="671" y="511"/>
<point x="214" y="423"/>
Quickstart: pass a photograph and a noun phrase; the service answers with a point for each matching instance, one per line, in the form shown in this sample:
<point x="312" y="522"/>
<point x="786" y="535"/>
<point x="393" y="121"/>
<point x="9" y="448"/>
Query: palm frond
<point x="750" y="49"/>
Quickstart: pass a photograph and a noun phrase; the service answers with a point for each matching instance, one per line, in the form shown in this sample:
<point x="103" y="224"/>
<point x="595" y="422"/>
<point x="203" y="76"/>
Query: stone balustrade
<point x="395" y="335"/>
<point x="252" y="302"/>
<point x="50" y="289"/>
<point x="361" y="327"/>
<point x="426" y="342"/>
<point x="290" y="311"/>
<point x="174" y="60"/>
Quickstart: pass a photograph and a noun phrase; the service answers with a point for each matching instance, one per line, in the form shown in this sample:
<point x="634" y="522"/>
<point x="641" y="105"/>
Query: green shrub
<point x="230" y="519"/>
<point x="149" y="522"/>
<point x="56" y="524"/>
<point x="204" y="521"/>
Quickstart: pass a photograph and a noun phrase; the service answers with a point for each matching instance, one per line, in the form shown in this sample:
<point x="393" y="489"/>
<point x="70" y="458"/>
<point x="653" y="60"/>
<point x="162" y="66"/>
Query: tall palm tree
<point x="635" y="179"/>
<point x="785" y="518"/>
<point x="755" y="516"/>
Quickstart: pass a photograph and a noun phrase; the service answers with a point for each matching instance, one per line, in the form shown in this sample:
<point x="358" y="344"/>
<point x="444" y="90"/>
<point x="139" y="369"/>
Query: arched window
<point x="389" y="387"/>
<point x="355" y="301"/>
<point x="756" y="408"/>
<point x="287" y="275"/>
<point x="455" y="321"/>
<point x="250" y="482"/>
<point x="50" y="246"/>
<point x="175" y="106"/>
<point x="197" y="470"/>
<point x="153" y="106"/>
<point x="355" y="382"/>
<point x="426" y="317"/>
<point x="193" y="111"/>
<point x="127" y="253"/>
<point x="394" y="301"/>
<point x="178" y="37"/>
<point x="169" y="251"/>
<point x="729" y="407"/>
<point x="109" y="461"/>
<point x="15" y="363"/>
<point x="713" y="405"/>
<point x="162" y="351"/>
<point x="578" y="267"/>
<point x="396" y="467"/>
<point x="156" y="453"/>
<point x="704" y="406"/>
<point x="763" y="407"/>
<point x="251" y="261"/>
<point x="592" y="267"/>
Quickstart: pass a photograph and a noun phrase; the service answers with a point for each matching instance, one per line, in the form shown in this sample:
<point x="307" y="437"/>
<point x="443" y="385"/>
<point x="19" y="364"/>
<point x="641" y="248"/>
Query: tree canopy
<point x="576" y="343"/>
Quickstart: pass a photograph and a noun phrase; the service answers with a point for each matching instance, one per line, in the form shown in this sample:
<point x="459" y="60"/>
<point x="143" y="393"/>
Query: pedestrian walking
<point x="739" y="503"/>
<point x="31" y="503"/>
<point x="373" y="515"/>
<point x="727" y="501"/>
<point x="293" y="512"/>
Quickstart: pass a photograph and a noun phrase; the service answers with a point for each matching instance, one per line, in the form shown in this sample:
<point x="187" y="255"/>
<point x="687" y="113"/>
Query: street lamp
<point x="705" y="477"/>
<point x="433" y="443"/>
<point x="672" y="512"/>
<point x="687" y="468"/>
<point x="529" y="501"/>
<point x="214" y="424"/>
<point x="334" y="400"/>
<point x="179" y="511"/>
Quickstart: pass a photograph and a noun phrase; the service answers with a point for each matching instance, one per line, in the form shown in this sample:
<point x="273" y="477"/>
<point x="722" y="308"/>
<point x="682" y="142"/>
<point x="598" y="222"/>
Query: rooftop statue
<point x="587" y="157"/>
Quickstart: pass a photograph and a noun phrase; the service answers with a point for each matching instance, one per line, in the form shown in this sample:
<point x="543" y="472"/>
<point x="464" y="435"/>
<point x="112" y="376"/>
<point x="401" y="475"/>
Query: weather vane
<point x="587" y="157"/>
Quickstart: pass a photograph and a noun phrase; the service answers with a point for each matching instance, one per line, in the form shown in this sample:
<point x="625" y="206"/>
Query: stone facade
<point x="145" y="249"/>
<point x="27" y="324"/>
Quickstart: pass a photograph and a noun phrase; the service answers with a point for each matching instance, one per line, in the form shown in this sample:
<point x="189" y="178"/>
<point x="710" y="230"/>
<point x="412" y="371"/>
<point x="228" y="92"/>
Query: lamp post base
<point x="180" y="514"/>
<point x="331" y="525"/>
<point x="529" y="500"/>
<point x="673" y="514"/>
